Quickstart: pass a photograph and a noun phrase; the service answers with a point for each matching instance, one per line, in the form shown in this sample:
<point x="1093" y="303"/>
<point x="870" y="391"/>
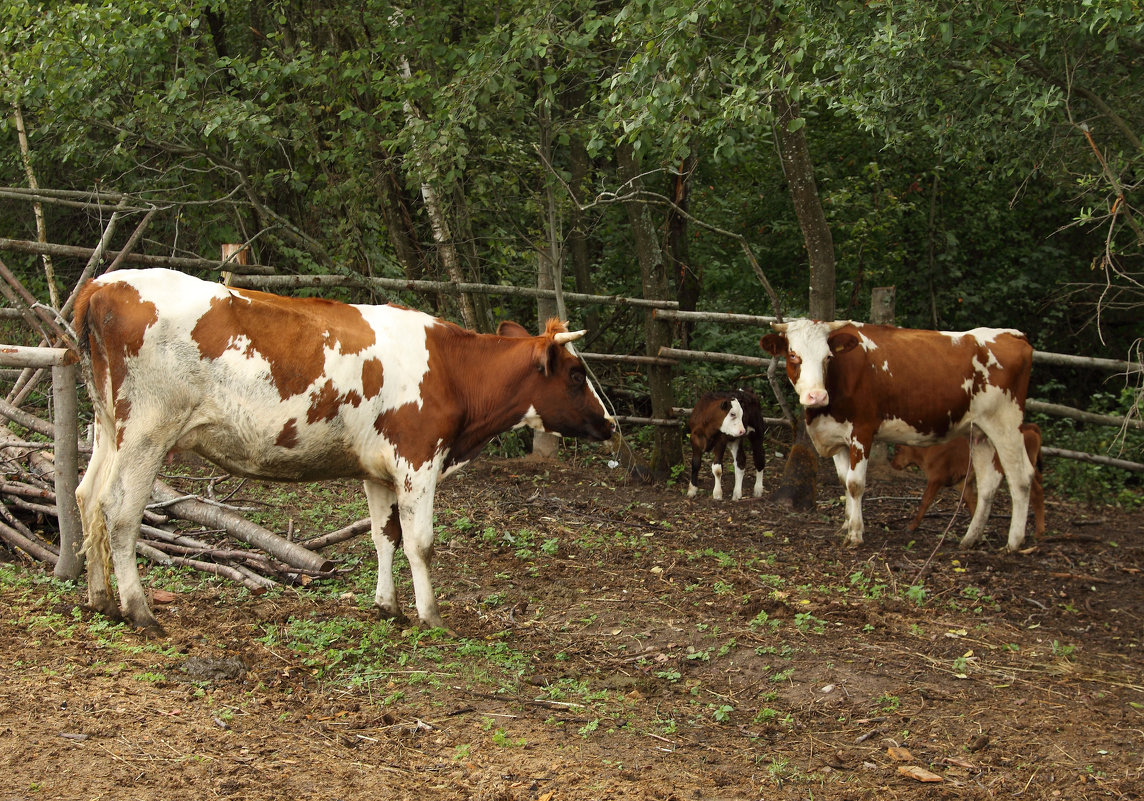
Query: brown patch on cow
<point x="115" y="321"/>
<point x="288" y="436"/>
<point x="393" y="526"/>
<point x="291" y="334"/>
<point x="372" y="377"/>
<point x="409" y="483"/>
<point x="326" y="402"/>
<point x="416" y="430"/>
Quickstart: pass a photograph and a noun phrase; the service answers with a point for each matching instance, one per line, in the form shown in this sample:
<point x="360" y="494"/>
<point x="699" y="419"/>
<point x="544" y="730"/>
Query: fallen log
<point x="203" y="513"/>
<point x="34" y="549"/>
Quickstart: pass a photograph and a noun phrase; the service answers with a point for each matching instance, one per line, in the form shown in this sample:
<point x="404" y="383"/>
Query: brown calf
<point x="947" y="465"/>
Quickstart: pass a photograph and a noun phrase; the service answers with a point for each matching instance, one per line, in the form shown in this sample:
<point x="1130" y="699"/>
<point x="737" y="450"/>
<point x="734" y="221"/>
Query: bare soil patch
<point x="613" y="640"/>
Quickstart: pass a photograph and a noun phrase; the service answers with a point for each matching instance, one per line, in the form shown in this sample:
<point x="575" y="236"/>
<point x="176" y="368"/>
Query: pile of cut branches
<point x="240" y="550"/>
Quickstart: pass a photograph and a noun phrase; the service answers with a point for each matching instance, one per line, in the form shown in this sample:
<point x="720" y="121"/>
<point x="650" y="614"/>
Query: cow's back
<point x="922" y="387"/>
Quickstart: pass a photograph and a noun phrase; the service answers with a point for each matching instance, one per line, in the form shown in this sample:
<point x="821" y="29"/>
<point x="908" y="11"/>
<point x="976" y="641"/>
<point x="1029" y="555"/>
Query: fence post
<point x="70" y="563"/>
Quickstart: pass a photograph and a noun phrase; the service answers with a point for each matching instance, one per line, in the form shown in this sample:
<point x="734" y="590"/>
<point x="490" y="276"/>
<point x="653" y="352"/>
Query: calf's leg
<point x="698" y="446"/>
<point x="760" y="456"/>
<point x="739" y="459"/>
<point x="720" y="444"/>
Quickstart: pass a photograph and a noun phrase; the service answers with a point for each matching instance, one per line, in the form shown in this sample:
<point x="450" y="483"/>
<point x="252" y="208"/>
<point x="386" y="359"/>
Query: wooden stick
<point x="226" y="571"/>
<point x="341" y="535"/>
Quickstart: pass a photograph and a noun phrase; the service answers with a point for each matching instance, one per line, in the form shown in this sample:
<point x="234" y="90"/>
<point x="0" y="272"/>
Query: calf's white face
<point x="732" y="424"/>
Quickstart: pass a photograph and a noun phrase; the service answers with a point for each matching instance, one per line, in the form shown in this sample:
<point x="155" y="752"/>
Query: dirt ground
<point x="612" y="641"/>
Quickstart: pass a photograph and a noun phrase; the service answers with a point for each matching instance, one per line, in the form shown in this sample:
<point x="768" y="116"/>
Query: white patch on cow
<point x="866" y="343"/>
<point x="732" y="424"/>
<point x="829" y="435"/>
<point x="401" y="347"/>
<point x="533" y="420"/>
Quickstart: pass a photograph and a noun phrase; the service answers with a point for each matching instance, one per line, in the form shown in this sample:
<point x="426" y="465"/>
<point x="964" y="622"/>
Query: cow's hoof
<point x="152" y="630"/>
<point x="397" y="617"/>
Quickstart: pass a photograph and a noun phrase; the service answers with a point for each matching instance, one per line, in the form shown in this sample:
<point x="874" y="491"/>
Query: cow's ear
<point x="840" y="343"/>
<point x="546" y="356"/>
<point x="774" y="344"/>
<point x="508" y="328"/>
<point x="725" y="405"/>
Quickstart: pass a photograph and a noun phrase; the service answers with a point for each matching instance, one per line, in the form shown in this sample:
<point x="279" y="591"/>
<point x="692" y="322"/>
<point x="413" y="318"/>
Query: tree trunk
<point x="686" y="274"/>
<point x="547" y="271"/>
<point x="578" y="253"/>
<point x="438" y="221"/>
<point x="668" y="448"/>
<point x="799" y="171"/>
<point x="395" y="207"/>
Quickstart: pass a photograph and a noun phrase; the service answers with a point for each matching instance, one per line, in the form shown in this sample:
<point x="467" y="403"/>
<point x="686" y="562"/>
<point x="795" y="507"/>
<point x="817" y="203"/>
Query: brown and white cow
<point x="947" y="465"/>
<point x="720" y="420"/>
<point x="300" y="389"/>
<point x="861" y="383"/>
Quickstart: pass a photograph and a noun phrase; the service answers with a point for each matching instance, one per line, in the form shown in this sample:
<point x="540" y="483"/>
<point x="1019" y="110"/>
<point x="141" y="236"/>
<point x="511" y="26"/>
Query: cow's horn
<point x="563" y="337"/>
<point x="780" y="327"/>
<point x="836" y="324"/>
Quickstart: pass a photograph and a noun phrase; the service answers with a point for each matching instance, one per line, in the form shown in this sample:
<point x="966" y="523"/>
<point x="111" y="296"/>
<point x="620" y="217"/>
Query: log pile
<point x="227" y="544"/>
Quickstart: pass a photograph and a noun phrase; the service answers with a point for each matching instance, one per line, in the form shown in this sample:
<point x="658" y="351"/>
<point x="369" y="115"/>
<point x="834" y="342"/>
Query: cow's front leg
<point x="385" y="528"/>
<point x="717" y="467"/>
<point x="851" y="466"/>
<point x="415" y="505"/>
<point x="739" y="460"/>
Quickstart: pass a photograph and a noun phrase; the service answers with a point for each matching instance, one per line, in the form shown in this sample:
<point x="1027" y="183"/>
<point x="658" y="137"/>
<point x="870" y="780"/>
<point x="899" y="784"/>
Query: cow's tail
<point x="83" y="320"/>
<point x="97" y="543"/>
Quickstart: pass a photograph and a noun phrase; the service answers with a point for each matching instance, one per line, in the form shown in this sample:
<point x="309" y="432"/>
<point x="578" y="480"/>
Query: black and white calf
<point x="719" y="420"/>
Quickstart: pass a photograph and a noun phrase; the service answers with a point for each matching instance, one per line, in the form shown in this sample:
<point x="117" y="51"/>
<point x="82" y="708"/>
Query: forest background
<point x="983" y="157"/>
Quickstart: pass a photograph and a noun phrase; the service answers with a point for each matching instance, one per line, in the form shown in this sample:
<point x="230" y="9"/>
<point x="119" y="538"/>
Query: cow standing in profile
<point x="720" y="420"/>
<point x="301" y="389"/>
<point x="947" y="465"/>
<point x="860" y="383"/>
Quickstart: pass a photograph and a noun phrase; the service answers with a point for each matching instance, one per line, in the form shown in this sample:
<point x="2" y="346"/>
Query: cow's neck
<point x="493" y="398"/>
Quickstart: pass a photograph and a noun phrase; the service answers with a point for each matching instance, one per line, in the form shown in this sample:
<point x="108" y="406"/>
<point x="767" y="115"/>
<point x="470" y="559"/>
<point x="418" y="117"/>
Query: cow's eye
<point x="793" y="358"/>
<point x="577" y="378"/>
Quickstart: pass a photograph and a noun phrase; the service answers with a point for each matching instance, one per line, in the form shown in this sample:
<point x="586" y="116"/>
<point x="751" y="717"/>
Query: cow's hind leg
<point x="120" y="502"/>
<point x="385" y="528"/>
<point x="1009" y="444"/>
<point x="760" y="457"/>
<point x="96" y="548"/>
<point x="981" y="454"/>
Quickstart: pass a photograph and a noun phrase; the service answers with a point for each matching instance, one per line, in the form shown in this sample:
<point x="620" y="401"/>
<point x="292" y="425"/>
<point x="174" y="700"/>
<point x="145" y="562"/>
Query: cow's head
<point x="561" y="399"/>
<point x="807" y="346"/>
